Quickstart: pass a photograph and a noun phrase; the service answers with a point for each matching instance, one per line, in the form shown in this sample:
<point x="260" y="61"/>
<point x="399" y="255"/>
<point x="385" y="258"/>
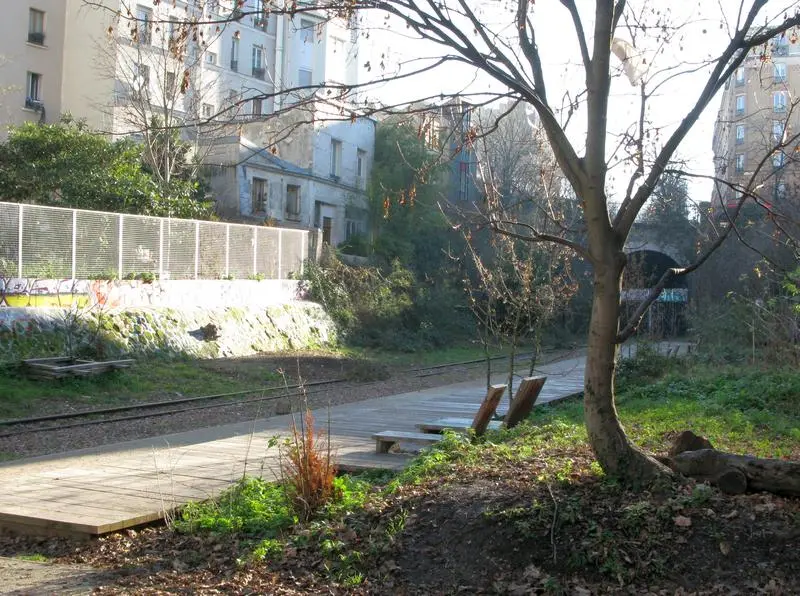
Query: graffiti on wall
<point x="29" y="292"/>
<point x="24" y="292"/>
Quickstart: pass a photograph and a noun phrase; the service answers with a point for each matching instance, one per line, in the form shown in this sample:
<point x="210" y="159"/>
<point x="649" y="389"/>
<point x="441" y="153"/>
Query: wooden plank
<point x="523" y="403"/>
<point x="384" y="440"/>
<point x="487" y="409"/>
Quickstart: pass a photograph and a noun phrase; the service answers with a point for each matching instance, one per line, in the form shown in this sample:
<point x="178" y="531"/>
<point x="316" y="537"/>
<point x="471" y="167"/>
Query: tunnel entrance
<point x="667" y="316"/>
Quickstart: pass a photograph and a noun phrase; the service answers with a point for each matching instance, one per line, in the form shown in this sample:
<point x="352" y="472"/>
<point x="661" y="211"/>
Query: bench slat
<point x="384" y="440"/>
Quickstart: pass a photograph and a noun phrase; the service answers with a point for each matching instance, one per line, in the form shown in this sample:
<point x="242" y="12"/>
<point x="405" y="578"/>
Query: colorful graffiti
<point x="30" y="292"/>
<point x="25" y="292"/>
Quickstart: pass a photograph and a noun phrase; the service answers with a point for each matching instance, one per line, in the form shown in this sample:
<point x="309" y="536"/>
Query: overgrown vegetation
<point x="67" y="165"/>
<point x="391" y="308"/>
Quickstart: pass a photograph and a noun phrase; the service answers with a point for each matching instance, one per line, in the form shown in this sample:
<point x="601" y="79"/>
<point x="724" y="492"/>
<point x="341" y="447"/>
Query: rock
<point x="210" y="332"/>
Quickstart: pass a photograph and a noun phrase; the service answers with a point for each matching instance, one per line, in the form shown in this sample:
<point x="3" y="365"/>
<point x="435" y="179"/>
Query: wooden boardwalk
<point x="99" y="490"/>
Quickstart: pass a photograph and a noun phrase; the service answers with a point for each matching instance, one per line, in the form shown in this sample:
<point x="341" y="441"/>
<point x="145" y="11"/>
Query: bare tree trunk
<point x="615" y="453"/>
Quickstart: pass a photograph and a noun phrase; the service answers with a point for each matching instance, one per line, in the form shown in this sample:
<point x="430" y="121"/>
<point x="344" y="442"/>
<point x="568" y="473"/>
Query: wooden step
<point x="457" y="424"/>
<point x="384" y="440"/>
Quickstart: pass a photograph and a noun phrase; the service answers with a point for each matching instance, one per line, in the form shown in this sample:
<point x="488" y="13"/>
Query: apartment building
<point x="31" y="54"/>
<point x="754" y="142"/>
<point x="220" y="81"/>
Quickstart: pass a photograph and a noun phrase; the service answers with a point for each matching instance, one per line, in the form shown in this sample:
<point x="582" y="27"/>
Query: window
<point x="336" y="158"/>
<point x="33" y="90"/>
<point x="780" y="191"/>
<point x="259" y="195"/>
<point x="211" y="58"/>
<point x="778" y="159"/>
<point x="777" y="131"/>
<point x="352" y="228"/>
<point x="260" y="18"/>
<point x="739" y="163"/>
<point x="144" y="18"/>
<point x="36" y="27"/>
<point x="307" y="31"/>
<point x="169" y="83"/>
<point x="739" y="134"/>
<point x="235" y="54"/>
<point x="740" y="104"/>
<point x="779" y="101"/>
<point x="780" y="72"/>
<point x="360" y="162"/>
<point x="258" y="105"/>
<point x="258" y="62"/>
<point x="303" y="77"/>
<point x="292" y="201"/>
<point x="739" y="77"/>
<point x="141" y="81"/>
<point x="208" y="110"/>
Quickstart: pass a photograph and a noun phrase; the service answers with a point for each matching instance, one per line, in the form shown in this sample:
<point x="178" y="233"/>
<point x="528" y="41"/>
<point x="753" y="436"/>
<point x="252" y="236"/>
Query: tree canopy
<point x="67" y="165"/>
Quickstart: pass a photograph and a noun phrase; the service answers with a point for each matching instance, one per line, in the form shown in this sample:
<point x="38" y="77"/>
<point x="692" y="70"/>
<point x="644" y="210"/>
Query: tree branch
<point x="576" y="21"/>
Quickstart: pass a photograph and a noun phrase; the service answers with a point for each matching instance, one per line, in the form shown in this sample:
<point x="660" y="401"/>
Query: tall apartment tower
<point x="757" y="120"/>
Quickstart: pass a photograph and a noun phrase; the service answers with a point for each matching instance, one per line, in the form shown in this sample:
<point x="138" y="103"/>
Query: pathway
<point x="99" y="490"/>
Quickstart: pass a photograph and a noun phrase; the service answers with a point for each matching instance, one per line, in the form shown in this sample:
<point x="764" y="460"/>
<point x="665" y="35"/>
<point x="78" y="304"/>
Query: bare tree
<point x="639" y="40"/>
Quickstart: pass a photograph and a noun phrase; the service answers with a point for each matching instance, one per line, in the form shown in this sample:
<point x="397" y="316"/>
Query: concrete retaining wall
<point x="99" y="332"/>
<point x="29" y="292"/>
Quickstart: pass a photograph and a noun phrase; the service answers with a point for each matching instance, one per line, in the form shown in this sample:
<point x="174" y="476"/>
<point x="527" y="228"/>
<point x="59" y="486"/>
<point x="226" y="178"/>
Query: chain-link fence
<point x="56" y="243"/>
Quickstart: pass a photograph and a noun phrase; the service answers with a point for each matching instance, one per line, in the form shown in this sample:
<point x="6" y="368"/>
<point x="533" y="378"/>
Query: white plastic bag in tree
<point x="633" y="62"/>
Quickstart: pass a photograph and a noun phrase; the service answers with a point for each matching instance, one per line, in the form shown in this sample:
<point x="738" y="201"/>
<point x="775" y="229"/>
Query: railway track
<point x="86" y="418"/>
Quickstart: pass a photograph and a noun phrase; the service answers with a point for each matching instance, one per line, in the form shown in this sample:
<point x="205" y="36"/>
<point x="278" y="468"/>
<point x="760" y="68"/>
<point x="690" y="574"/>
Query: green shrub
<point x="390" y="309"/>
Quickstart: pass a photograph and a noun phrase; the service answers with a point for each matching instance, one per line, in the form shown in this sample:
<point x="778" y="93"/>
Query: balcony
<point x="36" y="37"/>
<point x="259" y="73"/>
<point x="235" y="65"/>
<point x="34" y="104"/>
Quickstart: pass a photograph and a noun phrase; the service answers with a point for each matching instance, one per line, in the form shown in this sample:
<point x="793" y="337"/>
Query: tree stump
<point x="486" y="412"/>
<point x="523" y="403"/>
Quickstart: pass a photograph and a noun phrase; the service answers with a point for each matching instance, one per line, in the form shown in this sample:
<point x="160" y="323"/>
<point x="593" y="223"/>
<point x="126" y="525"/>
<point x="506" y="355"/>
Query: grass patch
<point x="147" y="379"/>
<point x="423" y="358"/>
<point x="35" y="557"/>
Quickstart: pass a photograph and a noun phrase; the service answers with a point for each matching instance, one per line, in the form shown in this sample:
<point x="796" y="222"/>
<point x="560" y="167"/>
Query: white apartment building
<point x="118" y="70"/>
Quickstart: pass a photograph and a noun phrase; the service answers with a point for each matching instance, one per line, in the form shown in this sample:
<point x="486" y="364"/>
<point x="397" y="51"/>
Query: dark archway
<point x="667" y="316"/>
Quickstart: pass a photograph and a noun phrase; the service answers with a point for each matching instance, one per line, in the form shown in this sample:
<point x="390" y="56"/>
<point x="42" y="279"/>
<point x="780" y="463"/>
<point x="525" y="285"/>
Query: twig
<point x="553" y="524"/>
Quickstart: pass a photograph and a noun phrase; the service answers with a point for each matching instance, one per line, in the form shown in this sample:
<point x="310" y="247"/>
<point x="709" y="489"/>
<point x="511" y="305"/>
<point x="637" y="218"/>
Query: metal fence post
<point x="255" y="251"/>
<point x="196" y="248"/>
<point x="119" y="240"/>
<point x="303" y="251"/>
<point x="280" y="251"/>
<point x="227" y="250"/>
<point x="19" y="240"/>
<point x="74" y="242"/>
<point x="160" y="248"/>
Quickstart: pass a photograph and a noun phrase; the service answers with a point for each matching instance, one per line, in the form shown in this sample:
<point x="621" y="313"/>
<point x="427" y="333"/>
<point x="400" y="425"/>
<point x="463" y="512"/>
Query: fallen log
<point x="732" y="473"/>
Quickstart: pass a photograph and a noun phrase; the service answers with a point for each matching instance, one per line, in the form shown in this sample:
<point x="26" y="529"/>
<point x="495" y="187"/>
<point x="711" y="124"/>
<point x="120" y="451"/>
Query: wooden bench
<point x="459" y="424"/>
<point x="384" y="440"/>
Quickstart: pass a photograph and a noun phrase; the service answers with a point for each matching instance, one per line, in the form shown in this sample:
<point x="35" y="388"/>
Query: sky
<point x="704" y="30"/>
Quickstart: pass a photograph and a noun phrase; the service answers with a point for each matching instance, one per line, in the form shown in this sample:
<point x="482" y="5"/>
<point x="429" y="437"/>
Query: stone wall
<point x="98" y="332"/>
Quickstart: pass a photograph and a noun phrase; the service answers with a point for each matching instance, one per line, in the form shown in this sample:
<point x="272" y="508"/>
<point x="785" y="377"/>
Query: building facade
<point x="754" y="140"/>
<point x="31" y="57"/>
<point x="228" y="84"/>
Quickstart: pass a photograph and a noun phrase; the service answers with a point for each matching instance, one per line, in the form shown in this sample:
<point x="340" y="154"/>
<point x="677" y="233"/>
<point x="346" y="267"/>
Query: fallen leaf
<point x="682" y="521"/>
<point x="724" y="548"/>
